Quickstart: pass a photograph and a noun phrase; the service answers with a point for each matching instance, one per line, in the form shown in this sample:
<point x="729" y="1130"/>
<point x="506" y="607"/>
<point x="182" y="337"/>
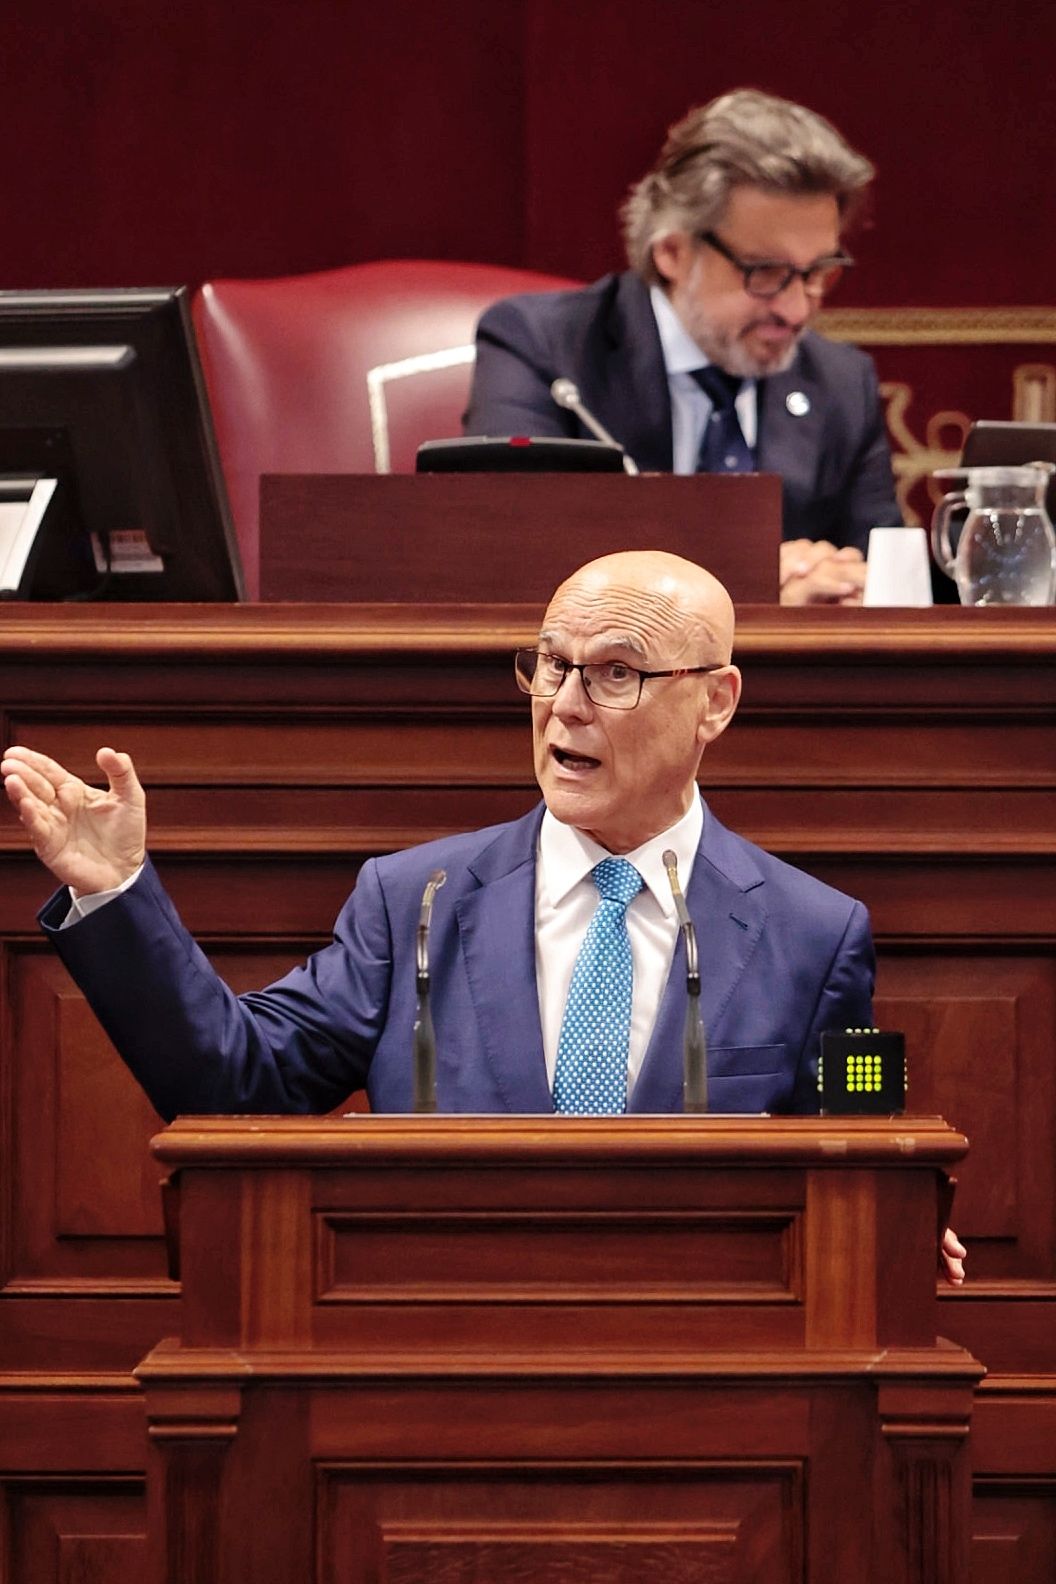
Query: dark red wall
<point x="148" y="142"/>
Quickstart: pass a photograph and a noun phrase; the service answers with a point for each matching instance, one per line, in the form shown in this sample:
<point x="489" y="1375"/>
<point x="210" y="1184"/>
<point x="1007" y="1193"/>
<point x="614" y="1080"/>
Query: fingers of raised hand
<point x="121" y="774"/>
<point x="22" y="798"/>
<point x="43" y="820"/>
<point x="39" y="775"/>
<point x="30" y="759"/>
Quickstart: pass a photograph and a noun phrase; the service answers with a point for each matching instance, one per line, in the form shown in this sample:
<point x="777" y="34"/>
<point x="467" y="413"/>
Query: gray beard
<point x="724" y="348"/>
<point x="729" y="354"/>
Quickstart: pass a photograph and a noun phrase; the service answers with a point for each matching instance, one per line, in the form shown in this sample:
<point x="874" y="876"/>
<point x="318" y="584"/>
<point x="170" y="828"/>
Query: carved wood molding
<point x="938" y="326"/>
<point x="325" y="635"/>
<point x="586" y="1141"/>
<point x="926" y="1434"/>
<point x="191" y="1431"/>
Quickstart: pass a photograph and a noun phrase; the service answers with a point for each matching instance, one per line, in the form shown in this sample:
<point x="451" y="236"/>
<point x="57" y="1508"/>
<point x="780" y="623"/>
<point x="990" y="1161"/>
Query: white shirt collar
<point x="681" y="352"/>
<point x="689" y="405"/>
<point x="567" y="856"/>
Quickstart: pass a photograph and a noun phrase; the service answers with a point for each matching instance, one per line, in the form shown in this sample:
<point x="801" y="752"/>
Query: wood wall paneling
<point x="74" y="1529"/>
<point x="550" y="1525"/>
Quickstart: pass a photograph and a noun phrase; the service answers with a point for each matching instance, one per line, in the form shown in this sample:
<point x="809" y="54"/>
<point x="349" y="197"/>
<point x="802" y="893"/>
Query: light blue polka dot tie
<point x="591" y="1072"/>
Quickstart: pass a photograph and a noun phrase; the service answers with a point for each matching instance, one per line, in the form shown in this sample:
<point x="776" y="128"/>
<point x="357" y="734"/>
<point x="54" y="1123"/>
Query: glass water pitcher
<point x="1006" y="552"/>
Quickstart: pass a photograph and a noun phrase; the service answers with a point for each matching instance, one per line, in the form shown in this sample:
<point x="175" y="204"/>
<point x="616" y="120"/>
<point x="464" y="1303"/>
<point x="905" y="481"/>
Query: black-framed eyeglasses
<point x="770" y="277"/>
<point x="611" y="683"/>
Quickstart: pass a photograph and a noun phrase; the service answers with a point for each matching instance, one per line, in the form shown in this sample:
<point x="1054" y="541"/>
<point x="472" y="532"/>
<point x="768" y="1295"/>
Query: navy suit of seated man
<point x="733" y="239"/>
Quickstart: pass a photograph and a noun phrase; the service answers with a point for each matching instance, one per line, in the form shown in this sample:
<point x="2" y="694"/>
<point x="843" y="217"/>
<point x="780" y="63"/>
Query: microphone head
<point x="670" y="863"/>
<point x="565" y="392"/>
<point x="425" y="911"/>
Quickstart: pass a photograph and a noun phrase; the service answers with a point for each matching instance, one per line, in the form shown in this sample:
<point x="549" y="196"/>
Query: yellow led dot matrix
<point x="862" y="1071"/>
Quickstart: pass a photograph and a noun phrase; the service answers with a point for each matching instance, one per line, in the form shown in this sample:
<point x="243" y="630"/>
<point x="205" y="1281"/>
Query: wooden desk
<point x="476" y="537"/>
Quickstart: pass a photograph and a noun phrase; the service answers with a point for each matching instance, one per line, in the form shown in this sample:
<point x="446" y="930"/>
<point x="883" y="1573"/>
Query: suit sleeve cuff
<point x="82" y="904"/>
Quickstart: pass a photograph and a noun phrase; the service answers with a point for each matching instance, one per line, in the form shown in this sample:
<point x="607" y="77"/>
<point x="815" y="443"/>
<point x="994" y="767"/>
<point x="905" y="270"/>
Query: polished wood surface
<point x="451" y="537"/>
<point x="559" y="1348"/>
<point x="909" y="758"/>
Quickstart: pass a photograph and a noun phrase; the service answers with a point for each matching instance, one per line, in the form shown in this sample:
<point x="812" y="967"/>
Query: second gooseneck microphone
<point x="694" y="1043"/>
<point x="424" y="1034"/>
<point x="566" y="394"/>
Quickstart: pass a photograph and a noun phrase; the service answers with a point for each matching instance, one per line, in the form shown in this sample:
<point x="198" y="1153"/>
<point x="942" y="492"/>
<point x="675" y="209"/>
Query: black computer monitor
<point x="103" y="391"/>
<point x="518" y="454"/>
<point x="996" y="442"/>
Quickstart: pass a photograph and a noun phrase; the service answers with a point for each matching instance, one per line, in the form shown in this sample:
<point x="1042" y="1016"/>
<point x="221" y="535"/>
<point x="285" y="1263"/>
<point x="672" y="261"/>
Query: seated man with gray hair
<point x="699" y="358"/>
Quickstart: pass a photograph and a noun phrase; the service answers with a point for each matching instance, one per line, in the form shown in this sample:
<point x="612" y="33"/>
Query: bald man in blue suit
<point x="630" y="682"/>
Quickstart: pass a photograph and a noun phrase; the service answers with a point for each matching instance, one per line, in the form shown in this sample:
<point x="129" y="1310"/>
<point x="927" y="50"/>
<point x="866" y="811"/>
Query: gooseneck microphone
<point x="566" y="394"/>
<point x="694" y="1043"/>
<point x="424" y="1034"/>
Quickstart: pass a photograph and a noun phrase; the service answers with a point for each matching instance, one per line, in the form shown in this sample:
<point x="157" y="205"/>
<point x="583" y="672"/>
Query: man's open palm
<point x="89" y="838"/>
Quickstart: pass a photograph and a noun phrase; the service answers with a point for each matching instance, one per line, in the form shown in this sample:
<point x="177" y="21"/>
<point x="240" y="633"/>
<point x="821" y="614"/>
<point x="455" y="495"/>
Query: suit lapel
<point x="725" y="900"/>
<point x="635" y="391"/>
<point x="496" y="926"/>
<point x="790" y="439"/>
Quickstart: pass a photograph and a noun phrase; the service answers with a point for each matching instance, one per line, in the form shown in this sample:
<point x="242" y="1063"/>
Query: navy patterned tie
<point x="723" y="448"/>
<point x="591" y="1072"/>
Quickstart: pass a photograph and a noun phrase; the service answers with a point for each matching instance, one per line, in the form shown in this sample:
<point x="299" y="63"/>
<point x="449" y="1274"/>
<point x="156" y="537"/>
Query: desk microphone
<point x="694" y="1044"/>
<point x="566" y="394"/>
<point x="424" y="1034"/>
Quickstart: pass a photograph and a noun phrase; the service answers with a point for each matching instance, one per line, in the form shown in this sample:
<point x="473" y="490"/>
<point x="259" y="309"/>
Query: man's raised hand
<point x="89" y="838"/>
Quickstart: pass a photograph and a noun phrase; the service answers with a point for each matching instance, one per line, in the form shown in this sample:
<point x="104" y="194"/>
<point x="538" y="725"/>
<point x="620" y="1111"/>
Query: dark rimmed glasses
<point x="613" y="684"/>
<point x="770" y="277"/>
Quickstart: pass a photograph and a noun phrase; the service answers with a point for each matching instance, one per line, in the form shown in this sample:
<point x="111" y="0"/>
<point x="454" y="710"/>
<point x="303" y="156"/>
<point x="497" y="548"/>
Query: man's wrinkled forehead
<point x="641" y="619"/>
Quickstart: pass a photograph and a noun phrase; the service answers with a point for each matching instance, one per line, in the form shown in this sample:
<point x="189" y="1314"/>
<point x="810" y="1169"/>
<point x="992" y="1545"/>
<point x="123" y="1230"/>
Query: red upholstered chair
<point x="344" y="371"/>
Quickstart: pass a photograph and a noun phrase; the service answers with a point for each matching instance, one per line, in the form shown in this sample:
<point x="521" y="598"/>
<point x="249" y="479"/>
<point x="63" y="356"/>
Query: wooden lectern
<point x="451" y="1350"/>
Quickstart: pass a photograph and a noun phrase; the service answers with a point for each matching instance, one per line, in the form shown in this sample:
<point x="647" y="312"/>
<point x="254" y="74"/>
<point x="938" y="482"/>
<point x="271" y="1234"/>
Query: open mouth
<point x="773" y="333"/>
<point x="571" y="761"/>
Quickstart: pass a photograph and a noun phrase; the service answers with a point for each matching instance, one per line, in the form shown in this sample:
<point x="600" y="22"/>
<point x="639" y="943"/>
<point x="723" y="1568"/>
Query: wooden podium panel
<point x="907" y="757"/>
<point x="474" y="538"/>
<point x="646" y="1349"/>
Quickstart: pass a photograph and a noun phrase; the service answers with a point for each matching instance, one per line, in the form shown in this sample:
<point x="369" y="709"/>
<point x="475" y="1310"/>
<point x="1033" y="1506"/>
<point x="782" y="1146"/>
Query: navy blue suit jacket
<point x="834" y="460"/>
<point x="783" y="957"/>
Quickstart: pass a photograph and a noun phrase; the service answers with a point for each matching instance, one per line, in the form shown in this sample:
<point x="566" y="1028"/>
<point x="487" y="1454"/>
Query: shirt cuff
<point x="91" y="901"/>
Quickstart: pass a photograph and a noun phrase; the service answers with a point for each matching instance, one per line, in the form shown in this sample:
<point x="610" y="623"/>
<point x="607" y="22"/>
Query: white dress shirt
<point x="690" y="407"/>
<point x="565" y="900"/>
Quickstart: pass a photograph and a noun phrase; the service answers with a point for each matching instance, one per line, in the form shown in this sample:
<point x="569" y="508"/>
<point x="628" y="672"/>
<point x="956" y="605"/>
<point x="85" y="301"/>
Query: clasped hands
<point x="814" y="572"/>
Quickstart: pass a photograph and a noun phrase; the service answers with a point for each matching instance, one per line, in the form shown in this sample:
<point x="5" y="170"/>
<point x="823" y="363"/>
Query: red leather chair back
<point x="335" y="372"/>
